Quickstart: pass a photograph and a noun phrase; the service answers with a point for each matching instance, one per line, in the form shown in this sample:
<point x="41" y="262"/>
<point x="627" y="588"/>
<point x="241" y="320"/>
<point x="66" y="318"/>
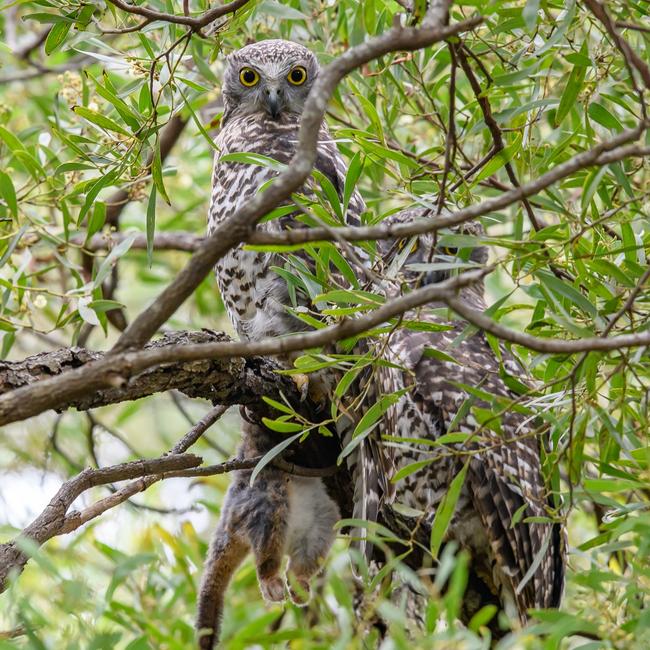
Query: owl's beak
<point x="274" y="102"/>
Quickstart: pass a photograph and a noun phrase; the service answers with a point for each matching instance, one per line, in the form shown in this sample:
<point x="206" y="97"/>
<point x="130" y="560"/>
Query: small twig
<point x="14" y="633"/>
<point x="450" y="144"/>
<point x="639" y="28"/>
<point x="495" y="131"/>
<point x="199" y="429"/>
<point x="194" y="23"/>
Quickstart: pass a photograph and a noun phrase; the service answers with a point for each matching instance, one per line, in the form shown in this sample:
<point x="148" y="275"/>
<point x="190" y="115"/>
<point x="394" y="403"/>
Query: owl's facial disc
<point x="271" y="77"/>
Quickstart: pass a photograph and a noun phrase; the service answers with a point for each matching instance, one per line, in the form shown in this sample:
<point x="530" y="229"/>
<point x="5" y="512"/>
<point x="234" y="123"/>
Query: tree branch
<point x="178" y="240"/>
<point x="110" y="376"/>
<point x="547" y="345"/>
<point x="602" y="154"/>
<point x="194" y="23"/>
<point x="54" y="519"/>
<point x="226" y="381"/>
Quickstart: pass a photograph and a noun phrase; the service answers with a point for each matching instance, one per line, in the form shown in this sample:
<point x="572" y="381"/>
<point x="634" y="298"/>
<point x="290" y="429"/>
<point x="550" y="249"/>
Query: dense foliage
<point x="88" y="189"/>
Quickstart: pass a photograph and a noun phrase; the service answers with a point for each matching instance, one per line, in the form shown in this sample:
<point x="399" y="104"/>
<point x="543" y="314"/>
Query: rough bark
<point x="223" y="381"/>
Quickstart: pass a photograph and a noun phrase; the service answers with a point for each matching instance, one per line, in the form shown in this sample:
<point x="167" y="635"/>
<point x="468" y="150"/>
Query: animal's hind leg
<point x="268" y="535"/>
<point x="312" y="540"/>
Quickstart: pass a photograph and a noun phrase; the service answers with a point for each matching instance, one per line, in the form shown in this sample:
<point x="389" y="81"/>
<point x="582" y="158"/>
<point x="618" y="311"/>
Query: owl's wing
<point x="504" y="476"/>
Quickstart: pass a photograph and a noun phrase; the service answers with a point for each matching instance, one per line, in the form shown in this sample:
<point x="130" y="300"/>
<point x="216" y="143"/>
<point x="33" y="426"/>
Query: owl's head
<point x="272" y="77"/>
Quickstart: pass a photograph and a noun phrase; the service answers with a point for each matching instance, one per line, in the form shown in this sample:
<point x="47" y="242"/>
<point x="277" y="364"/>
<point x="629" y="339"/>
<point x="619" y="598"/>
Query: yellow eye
<point x="248" y="77"/>
<point x="297" y="76"/>
<point x="414" y="246"/>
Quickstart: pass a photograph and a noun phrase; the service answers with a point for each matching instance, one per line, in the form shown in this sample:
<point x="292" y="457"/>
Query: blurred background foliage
<point x="83" y="111"/>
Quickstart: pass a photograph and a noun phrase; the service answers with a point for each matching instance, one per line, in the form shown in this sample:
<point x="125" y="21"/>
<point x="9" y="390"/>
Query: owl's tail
<point x="227" y="551"/>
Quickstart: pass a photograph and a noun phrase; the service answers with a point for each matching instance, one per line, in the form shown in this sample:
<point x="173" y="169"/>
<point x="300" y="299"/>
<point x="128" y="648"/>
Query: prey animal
<point x="278" y="515"/>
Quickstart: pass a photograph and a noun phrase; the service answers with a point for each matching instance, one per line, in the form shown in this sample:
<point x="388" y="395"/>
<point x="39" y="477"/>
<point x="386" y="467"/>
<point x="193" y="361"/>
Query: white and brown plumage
<point x="265" y="86"/>
<point x="519" y="566"/>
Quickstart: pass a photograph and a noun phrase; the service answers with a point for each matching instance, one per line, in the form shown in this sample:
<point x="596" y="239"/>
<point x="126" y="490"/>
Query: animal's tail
<point x="227" y="550"/>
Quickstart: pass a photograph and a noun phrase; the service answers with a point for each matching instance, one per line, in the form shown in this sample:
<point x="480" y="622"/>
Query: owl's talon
<point x="302" y="384"/>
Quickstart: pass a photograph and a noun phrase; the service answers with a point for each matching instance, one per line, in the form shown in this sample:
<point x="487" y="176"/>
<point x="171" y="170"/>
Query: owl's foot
<point x="302" y="384"/>
<point x="273" y="589"/>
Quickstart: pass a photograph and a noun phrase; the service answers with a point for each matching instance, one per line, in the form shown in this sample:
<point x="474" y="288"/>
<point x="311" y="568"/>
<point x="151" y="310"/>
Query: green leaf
<point x="8" y="193"/>
<point x="600" y="114"/>
<point x="115" y="254"/>
<point x="99" y="120"/>
<point x="12" y="245"/>
<point x="498" y="161"/>
<point x="377" y="410"/>
<point x="11" y="140"/>
<point x="151" y="223"/>
<point x="279" y="406"/>
<point x="354" y="171"/>
<point x="529" y="14"/>
<point x="564" y="289"/>
<point x="282" y="426"/>
<point x="56" y="37"/>
<point x="156" y="173"/>
<point x="571" y="90"/>
<point x="96" y="187"/>
<point x="445" y="511"/>
<point x="97" y="219"/>
<point x="249" y="158"/>
<point x="119" y="104"/>
<point x="273" y="453"/>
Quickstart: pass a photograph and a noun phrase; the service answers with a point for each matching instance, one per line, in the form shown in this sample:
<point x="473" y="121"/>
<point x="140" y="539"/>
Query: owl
<point x="447" y="377"/>
<point x="264" y="89"/>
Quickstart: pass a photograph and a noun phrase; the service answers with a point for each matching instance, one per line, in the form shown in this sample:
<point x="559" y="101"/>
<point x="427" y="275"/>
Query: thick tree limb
<point x="110" y="377"/>
<point x="112" y="374"/>
<point x="226" y="381"/>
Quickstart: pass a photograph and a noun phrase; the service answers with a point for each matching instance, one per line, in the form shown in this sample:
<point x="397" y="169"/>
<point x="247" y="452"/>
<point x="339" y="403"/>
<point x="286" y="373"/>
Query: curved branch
<point x="194" y="23"/>
<point x="54" y="520"/>
<point x="539" y="344"/>
<point x="117" y="372"/>
<point x="602" y="154"/>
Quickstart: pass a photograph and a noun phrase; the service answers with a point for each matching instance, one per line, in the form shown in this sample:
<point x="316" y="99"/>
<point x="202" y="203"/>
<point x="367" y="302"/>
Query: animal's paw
<point x="273" y="589"/>
<point x="299" y="590"/>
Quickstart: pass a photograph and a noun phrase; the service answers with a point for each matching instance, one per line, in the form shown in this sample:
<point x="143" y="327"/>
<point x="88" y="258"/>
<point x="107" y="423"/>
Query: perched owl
<point x="264" y="90"/>
<point x="445" y="373"/>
